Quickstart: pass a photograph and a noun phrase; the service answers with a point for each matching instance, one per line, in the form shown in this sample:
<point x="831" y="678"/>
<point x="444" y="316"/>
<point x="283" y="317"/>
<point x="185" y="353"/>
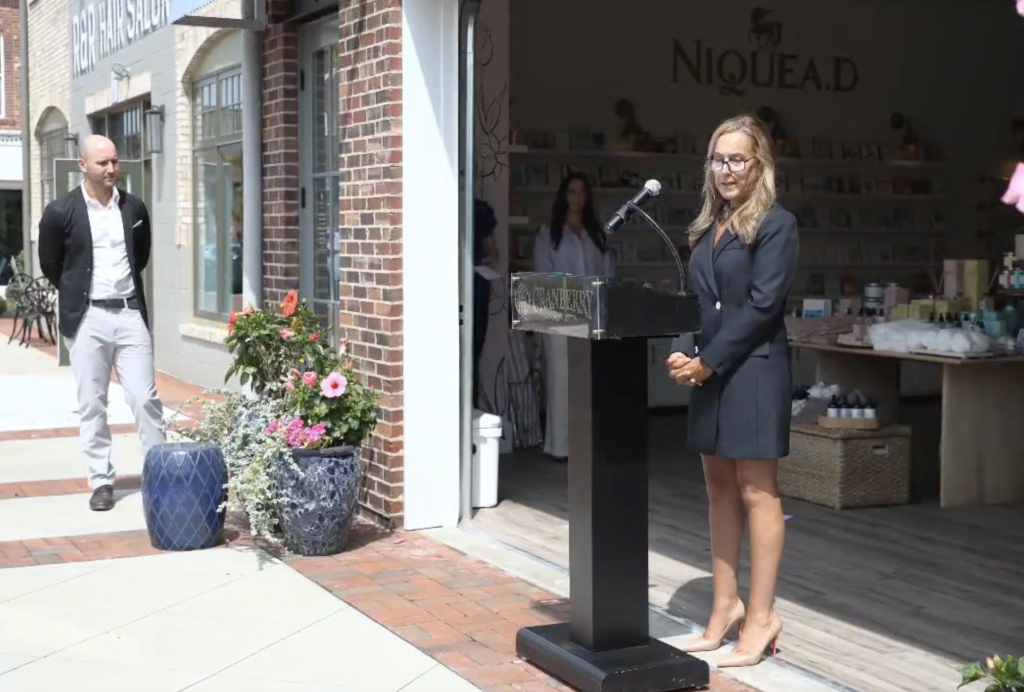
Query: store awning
<point x="251" y="15"/>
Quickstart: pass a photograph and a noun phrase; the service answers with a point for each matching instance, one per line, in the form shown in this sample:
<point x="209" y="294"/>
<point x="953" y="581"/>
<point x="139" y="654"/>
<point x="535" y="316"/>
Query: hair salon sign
<point x="762" y="65"/>
<point x="102" y="28"/>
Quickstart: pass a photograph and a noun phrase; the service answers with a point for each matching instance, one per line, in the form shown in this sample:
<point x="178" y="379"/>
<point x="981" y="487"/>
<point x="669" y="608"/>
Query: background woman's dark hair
<point x="560" y="212"/>
<point x="484" y="223"/>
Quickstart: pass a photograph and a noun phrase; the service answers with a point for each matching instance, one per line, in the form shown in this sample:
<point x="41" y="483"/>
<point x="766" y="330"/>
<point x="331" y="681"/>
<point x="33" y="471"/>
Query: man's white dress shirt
<point x="111" y="271"/>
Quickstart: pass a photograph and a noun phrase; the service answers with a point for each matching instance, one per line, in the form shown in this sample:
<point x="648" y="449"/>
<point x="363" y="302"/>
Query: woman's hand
<point x="688" y="371"/>
<point x="676" y="361"/>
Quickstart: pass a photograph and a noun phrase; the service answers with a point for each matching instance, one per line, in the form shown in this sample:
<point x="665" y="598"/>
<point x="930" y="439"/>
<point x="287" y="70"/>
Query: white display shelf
<point x="522" y="150"/>
<point x="858" y="219"/>
<point x="825" y="196"/>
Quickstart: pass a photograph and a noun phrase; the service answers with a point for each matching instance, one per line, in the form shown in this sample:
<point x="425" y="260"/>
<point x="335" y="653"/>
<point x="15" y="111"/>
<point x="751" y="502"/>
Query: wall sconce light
<point x="71" y="145"/>
<point x="155" y="129"/>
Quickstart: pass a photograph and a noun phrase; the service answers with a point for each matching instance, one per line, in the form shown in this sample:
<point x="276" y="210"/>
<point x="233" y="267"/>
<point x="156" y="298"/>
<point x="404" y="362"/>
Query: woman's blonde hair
<point x="746" y="218"/>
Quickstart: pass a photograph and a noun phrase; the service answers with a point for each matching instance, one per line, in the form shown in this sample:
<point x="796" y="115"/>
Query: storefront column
<point x="252" y="168"/>
<point x="398" y="201"/>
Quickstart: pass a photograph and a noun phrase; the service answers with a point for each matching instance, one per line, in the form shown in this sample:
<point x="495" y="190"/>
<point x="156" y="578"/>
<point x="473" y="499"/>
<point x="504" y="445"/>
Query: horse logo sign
<point x="764" y="35"/>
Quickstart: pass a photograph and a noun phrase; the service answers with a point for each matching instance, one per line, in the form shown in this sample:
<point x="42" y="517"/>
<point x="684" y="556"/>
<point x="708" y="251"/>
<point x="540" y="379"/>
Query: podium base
<point x="652" y="667"/>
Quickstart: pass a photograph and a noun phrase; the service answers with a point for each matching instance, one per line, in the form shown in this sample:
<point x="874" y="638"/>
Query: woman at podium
<point x="572" y="243"/>
<point x="744" y="251"/>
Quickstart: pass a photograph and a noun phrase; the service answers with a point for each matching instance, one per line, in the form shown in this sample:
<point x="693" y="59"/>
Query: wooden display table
<point x="982" y="434"/>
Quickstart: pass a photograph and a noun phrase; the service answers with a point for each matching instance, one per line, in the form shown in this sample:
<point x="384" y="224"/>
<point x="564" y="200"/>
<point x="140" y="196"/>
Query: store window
<point x="217" y="159"/>
<point x="318" y="131"/>
<point x="53" y="144"/>
<point x="124" y="127"/>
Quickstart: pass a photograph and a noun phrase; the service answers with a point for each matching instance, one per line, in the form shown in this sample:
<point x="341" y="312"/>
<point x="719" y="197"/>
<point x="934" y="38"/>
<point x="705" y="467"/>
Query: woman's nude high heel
<point x="706" y="643"/>
<point x="739" y="660"/>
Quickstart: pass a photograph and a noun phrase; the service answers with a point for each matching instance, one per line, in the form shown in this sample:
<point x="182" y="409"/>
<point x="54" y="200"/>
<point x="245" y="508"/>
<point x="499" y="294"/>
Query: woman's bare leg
<point x="758" y="482"/>
<point x="725" y="517"/>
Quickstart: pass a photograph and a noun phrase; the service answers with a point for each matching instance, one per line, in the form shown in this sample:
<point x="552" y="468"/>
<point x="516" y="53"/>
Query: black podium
<point x="606" y="645"/>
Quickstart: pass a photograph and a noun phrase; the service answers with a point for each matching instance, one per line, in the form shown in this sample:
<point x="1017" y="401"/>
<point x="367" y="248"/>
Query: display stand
<point x="606" y="645"/>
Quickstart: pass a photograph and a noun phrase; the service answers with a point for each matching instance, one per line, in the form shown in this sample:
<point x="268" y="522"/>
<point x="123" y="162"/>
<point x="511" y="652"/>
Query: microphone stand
<point x="668" y="241"/>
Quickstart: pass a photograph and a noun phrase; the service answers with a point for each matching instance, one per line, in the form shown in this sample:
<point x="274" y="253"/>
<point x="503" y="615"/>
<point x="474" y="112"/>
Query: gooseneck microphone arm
<point x="668" y="241"/>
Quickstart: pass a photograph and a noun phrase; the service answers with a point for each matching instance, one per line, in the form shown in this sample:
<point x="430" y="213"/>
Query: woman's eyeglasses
<point x="735" y="165"/>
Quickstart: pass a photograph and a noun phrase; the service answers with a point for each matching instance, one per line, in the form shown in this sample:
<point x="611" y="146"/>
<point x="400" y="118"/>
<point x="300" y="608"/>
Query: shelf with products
<point x="883" y="219"/>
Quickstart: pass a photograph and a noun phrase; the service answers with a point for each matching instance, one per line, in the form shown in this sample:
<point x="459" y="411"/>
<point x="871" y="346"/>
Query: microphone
<point x="652" y="188"/>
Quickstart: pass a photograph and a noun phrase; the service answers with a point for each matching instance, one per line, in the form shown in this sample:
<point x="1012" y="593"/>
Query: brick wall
<point x="11" y="29"/>
<point x="370" y="203"/>
<point x="280" y="155"/>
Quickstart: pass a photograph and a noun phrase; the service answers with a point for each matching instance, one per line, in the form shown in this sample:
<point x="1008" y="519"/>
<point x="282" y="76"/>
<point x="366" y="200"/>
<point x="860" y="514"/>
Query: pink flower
<point x="314" y="433"/>
<point x="333" y="385"/>
<point x="294" y="374"/>
<point x="272" y="428"/>
<point x="309" y="378"/>
<point x="295" y="433"/>
<point x="1014" y="194"/>
<point x="314" y="337"/>
<point x="1020" y="7"/>
<point x="287" y="334"/>
<point x="289" y="386"/>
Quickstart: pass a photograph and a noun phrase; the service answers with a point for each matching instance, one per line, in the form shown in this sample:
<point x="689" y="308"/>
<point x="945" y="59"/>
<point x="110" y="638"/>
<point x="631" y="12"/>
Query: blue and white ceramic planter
<point x="319" y="499"/>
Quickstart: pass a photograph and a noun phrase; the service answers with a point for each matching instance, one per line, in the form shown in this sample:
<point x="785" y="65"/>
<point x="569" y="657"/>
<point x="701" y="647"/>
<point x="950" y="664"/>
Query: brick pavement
<point x="66" y="486"/>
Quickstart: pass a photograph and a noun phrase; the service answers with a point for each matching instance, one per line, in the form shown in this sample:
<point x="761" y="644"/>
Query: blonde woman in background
<point x="572" y="243"/>
<point x="744" y="251"/>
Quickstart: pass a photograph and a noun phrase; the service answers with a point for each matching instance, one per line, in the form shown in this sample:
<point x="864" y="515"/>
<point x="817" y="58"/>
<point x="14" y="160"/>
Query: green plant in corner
<point x="1003" y="675"/>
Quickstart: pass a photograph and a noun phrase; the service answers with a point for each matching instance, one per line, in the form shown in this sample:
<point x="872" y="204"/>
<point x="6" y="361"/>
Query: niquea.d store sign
<point x="762" y="64"/>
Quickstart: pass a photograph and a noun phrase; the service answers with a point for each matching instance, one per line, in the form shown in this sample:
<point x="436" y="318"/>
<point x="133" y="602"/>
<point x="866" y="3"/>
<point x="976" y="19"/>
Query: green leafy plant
<point x="1003" y="675"/>
<point x="266" y="344"/>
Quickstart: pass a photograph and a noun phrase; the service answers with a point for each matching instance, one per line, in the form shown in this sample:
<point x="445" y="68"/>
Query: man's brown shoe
<point x="102" y="499"/>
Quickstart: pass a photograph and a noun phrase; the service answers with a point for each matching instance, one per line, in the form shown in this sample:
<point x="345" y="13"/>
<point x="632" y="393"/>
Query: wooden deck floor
<point x="880" y="600"/>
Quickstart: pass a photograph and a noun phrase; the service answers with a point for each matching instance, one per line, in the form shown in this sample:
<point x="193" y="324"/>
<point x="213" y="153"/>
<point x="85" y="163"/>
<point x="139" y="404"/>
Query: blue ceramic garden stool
<point x="183" y="487"/>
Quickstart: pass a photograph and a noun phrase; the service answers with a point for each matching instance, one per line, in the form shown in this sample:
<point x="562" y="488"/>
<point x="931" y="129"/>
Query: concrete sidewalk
<point x="227" y="619"/>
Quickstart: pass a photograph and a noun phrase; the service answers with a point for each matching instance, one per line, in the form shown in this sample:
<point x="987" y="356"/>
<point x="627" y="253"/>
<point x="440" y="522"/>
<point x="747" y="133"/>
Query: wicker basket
<point x="847" y="468"/>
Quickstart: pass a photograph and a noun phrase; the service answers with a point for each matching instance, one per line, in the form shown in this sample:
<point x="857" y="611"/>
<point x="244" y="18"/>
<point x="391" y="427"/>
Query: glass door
<point x="133" y="179"/>
<point x="320" y="236"/>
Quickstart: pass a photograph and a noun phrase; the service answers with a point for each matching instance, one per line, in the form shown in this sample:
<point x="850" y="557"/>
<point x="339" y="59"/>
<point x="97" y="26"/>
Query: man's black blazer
<point x="65" y="252"/>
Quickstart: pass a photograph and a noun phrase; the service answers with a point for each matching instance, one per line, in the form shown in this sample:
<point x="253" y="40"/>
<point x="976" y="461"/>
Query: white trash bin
<point x="486" y="442"/>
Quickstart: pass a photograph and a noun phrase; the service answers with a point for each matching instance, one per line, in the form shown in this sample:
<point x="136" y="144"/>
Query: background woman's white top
<point x="576" y="254"/>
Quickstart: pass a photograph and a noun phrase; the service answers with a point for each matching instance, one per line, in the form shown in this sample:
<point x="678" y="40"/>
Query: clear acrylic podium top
<point x="598" y="308"/>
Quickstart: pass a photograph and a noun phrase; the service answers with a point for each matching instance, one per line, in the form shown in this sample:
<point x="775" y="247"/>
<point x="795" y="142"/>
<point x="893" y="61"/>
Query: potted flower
<point x="328" y="415"/>
<point x="292" y="443"/>
<point x="1003" y="675"/>
<point x="266" y="344"/>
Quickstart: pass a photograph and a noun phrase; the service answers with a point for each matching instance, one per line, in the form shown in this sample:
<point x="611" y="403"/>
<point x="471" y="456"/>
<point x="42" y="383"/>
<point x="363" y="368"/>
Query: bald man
<point x="94" y="243"/>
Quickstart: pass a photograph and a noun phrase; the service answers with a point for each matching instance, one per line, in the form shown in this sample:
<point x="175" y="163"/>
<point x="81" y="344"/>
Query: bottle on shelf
<point x="844" y="407"/>
<point x="856" y="408"/>
<point x="870" y="410"/>
<point x="833" y="407"/>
